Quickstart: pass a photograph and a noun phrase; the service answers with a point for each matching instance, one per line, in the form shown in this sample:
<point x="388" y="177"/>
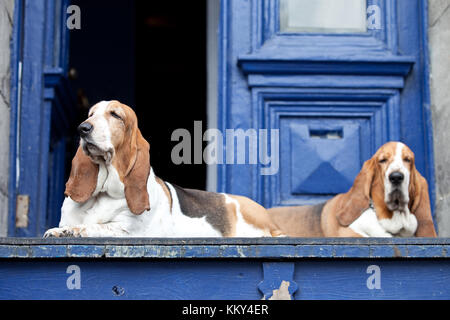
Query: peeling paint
<point x="397" y="252"/>
<point x="240" y="251"/>
<point x="282" y="293"/>
<point x="183" y="249"/>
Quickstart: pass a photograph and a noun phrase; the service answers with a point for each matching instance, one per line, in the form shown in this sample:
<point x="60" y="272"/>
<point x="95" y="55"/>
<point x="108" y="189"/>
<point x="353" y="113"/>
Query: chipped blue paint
<point x="278" y="276"/>
<point x="188" y="271"/>
<point x="79" y="251"/>
<point x="43" y="251"/>
<point x="237" y="268"/>
<point x="286" y="248"/>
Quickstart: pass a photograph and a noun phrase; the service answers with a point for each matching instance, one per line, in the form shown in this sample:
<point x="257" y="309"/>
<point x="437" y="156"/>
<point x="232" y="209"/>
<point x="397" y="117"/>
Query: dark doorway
<point x="150" y="55"/>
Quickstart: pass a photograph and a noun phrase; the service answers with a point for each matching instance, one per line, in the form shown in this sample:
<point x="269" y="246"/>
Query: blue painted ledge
<point x="233" y="248"/>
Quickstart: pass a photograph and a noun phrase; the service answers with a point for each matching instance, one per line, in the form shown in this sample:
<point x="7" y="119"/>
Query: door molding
<point x="255" y="57"/>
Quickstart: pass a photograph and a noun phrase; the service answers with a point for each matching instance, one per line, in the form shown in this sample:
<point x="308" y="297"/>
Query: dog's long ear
<point x="419" y="204"/>
<point x="83" y="177"/>
<point x="132" y="160"/>
<point x="350" y="205"/>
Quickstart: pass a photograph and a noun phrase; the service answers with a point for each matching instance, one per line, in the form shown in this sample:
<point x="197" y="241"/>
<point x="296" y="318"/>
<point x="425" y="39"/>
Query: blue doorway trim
<point x="257" y="62"/>
<point x="41" y="107"/>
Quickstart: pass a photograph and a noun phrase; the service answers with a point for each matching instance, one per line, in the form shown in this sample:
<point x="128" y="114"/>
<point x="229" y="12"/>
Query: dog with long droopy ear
<point x="112" y="190"/>
<point x="131" y="159"/>
<point x="389" y="198"/>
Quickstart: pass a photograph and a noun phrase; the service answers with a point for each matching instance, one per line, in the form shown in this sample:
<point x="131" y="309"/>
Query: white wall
<point x="439" y="46"/>
<point x="6" y="19"/>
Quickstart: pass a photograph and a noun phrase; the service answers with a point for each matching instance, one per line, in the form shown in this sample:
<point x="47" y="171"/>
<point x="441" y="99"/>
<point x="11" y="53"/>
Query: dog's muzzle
<point x="396" y="199"/>
<point x="85" y="129"/>
<point x="91" y="148"/>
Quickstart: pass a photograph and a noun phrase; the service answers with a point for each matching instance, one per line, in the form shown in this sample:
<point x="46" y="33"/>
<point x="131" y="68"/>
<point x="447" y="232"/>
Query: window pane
<point x="326" y="16"/>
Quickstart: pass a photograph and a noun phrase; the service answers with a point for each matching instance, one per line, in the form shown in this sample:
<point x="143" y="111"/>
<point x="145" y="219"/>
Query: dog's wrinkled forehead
<point x="107" y="109"/>
<point x="109" y="125"/>
<point x="394" y="154"/>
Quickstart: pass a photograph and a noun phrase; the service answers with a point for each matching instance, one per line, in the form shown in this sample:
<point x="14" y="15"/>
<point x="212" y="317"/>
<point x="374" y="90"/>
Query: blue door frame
<point x="42" y="106"/>
<point x="371" y="87"/>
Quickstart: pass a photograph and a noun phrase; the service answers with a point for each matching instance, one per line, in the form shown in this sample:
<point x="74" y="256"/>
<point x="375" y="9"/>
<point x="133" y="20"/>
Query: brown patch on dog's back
<point x="198" y="204"/>
<point x="299" y="221"/>
<point x="232" y="218"/>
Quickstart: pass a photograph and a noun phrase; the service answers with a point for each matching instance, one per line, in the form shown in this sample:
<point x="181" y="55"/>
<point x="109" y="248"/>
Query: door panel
<point x="334" y="96"/>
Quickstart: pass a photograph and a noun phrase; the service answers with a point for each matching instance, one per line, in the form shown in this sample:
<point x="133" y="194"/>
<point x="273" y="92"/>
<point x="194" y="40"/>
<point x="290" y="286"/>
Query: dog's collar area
<point x="371" y="205"/>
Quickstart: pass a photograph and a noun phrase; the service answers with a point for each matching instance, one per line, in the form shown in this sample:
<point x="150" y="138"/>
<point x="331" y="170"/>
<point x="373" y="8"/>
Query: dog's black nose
<point x="85" y="128"/>
<point x="396" y="177"/>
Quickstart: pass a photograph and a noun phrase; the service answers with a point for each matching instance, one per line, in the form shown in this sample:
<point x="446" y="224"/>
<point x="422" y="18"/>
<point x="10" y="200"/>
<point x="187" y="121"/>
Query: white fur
<point x="174" y="224"/>
<point x="368" y="225"/>
<point x="243" y="229"/>
<point x="101" y="133"/>
<point x="402" y="223"/>
<point x="397" y="165"/>
<point x="106" y="215"/>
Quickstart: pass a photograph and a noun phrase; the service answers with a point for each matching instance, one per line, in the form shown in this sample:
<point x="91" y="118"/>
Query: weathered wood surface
<point x="284" y="268"/>
<point x="286" y="248"/>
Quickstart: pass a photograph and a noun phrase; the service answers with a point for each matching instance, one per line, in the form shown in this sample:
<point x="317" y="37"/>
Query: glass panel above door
<point x="323" y="16"/>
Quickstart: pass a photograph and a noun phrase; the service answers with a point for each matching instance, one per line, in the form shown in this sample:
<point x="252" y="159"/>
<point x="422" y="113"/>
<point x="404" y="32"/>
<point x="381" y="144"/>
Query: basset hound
<point x="389" y="198"/>
<point x="113" y="191"/>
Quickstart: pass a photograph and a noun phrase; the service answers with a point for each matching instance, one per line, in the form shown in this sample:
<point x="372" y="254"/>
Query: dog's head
<point x="395" y="166"/>
<point x="110" y="136"/>
<point x="389" y="177"/>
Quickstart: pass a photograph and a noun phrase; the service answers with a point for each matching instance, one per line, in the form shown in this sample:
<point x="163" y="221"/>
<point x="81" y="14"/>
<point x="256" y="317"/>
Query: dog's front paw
<point x="65" y="232"/>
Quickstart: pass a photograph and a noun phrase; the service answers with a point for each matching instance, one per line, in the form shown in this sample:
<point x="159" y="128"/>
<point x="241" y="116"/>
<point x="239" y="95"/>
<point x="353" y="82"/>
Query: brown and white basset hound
<point x="389" y="198"/>
<point x="112" y="190"/>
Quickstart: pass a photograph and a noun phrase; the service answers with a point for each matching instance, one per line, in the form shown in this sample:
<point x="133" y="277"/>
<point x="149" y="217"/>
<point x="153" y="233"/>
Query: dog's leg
<point x="92" y="230"/>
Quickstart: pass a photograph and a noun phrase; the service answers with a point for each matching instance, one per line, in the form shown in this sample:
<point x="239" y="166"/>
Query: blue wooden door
<point x="43" y="111"/>
<point x="334" y="79"/>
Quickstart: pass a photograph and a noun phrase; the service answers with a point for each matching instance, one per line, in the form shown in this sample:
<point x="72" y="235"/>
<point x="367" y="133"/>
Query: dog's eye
<point x="407" y="160"/>
<point x="382" y="161"/>
<point x="115" y="115"/>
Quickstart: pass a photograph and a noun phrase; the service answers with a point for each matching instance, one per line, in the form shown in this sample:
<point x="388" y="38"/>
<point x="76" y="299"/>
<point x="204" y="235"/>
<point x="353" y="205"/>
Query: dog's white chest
<point x="108" y="181"/>
<point x="402" y="224"/>
<point x="368" y="225"/>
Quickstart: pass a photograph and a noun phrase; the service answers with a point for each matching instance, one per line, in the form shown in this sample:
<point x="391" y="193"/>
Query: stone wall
<point x="6" y="20"/>
<point x="439" y="44"/>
